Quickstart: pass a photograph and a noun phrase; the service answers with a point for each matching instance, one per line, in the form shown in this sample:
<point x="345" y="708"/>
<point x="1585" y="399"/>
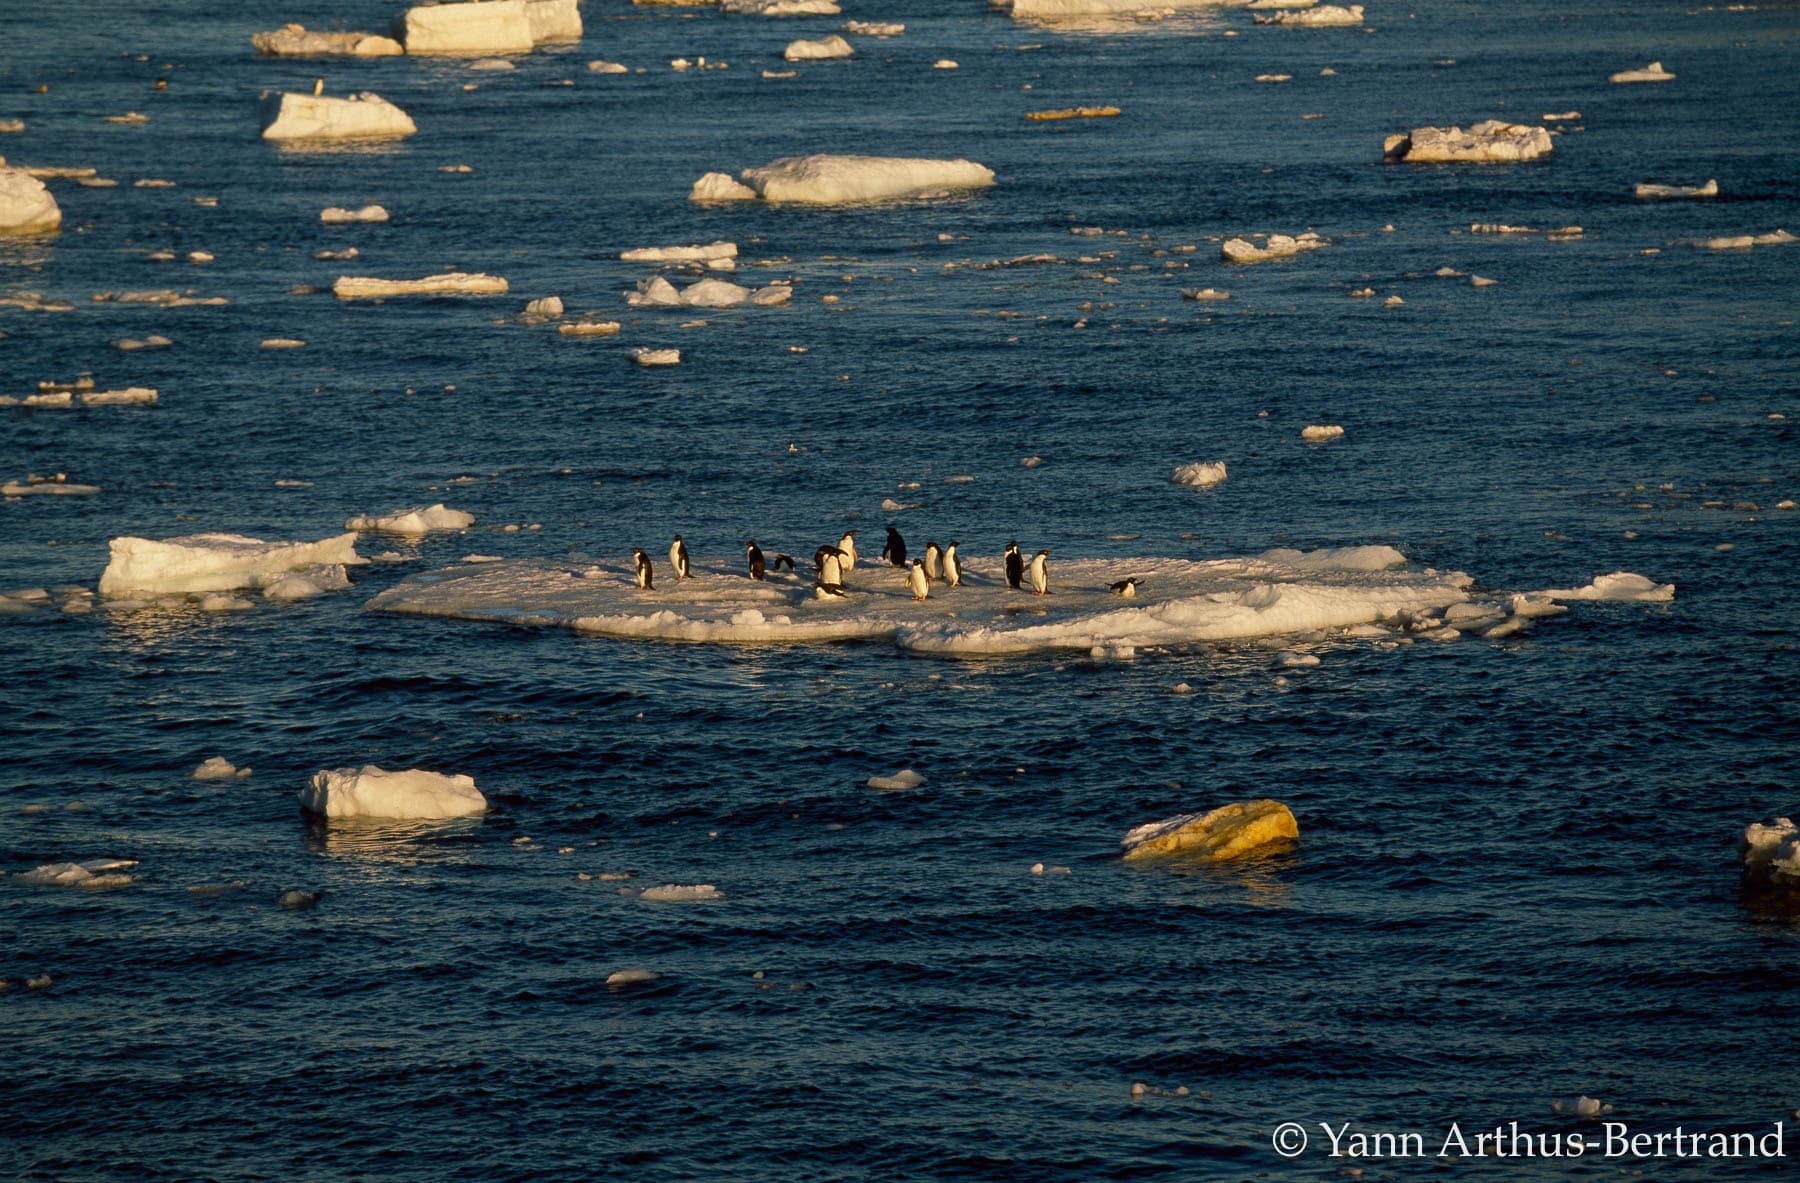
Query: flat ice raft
<point x="375" y="792"/>
<point x="845" y="180"/>
<point x="1280" y="592"/>
<point x="217" y="562"/>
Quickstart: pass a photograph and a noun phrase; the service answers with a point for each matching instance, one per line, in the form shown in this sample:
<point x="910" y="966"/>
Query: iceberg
<point x="299" y="117"/>
<point x="553" y="21"/>
<point x="847" y="180"/>
<point x="824" y="49"/>
<point x="1621" y="587"/>
<point x="1653" y="72"/>
<point x="375" y="792"/>
<point x="474" y="29"/>
<point x="214" y="562"/>
<point x="1228" y="832"/>
<point x="1199" y="475"/>
<point x="1492" y="141"/>
<point x="26" y="206"/>
<point x="1323" y="16"/>
<point x="457" y="283"/>
<point x="1277" y="246"/>
<point x="294" y="41"/>
<point x="417" y="521"/>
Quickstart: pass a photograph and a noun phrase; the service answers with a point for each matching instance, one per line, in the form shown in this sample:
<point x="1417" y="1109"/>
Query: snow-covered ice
<point x="873" y="28"/>
<point x="1647" y="189"/>
<point x="470" y="29"/>
<point x="900" y="781"/>
<point x="375" y="792"/>
<point x="702" y="253"/>
<point x="1492" y="141"/>
<point x="300" y="117"/>
<point x="97" y="873"/>
<point x="219" y="768"/>
<point x="1202" y="474"/>
<point x="781" y="7"/>
<point x="215" y="562"/>
<point x="1771" y="855"/>
<point x="658" y="292"/>
<point x="1228" y="832"/>
<point x="1277" y="246"/>
<point x="416" y="521"/>
<point x="643" y="355"/>
<point x="672" y="892"/>
<point x="1320" y="16"/>
<point x="1318" y="433"/>
<point x="1744" y="242"/>
<point x="1618" y="587"/>
<point x="458" y="283"/>
<point x="368" y="213"/>
<point x="846" y="180"/>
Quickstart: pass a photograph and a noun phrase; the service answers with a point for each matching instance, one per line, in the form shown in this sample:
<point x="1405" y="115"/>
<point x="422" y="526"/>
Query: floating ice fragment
<point x="1648" y="189"/>
<point x="26" y="206"/>
<point x="214" y="562"/>
<point x="1618" y="587"/>
<point x="300" y="117"/>
<point x="338" y="215"/>
<point x="1491" y="141"/>
<point x="1322" y="16"/>
<point x="631" y="977"/>
<point x="291" y="41"/>
<point x="1278" y="246"/>
<point x="1219" y="834"/>
<point x="1200" y="474"/>
<point x="1653" y="72"/>
<point x="824" y="49"/>
<point x="645" y="356"/>
<point x="681" y="891"/>
<point x="219" y="768"/>
<point x="360" y="287"/>
<point x="900" y="781"/>
<point x="375" y="792"/>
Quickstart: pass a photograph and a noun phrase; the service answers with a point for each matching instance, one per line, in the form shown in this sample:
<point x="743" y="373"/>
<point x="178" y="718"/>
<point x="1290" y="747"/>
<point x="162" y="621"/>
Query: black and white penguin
<point x="1127" y="587"/>
<point x="847" y="544"/>
<point x="916" y="581"/>
<point x="1040" y="574"/>
<point x="830" y="562"/>
<point x="895" y="550"/>
<point x="783" y="561"/>
<point x="952" y="568"/>
<point x="828" y="591"/>
<point x="934" y="558"/>
<point x="755" y="555"/>
<point x="678" y="559"/>
<point x="646" y="575"/>
<point x="1015" y="566"/>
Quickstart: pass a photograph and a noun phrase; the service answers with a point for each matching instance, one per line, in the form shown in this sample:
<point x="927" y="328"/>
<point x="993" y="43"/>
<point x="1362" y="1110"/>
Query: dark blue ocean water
<point x="1516" y="879"/>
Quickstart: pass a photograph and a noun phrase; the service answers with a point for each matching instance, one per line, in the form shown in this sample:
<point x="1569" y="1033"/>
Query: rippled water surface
<point x="1516" y="878"/>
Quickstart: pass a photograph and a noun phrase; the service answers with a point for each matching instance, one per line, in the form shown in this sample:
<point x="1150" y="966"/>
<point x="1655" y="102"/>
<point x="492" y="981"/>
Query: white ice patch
<point x="846" y="180"/>
<point x="1179" y="601"/>
<point x="375" y="792"/>
<point x="216" y="563"/>
<point x="97" y="874"/>
<point x="898" y="782"/>
<point x="1619" y="587"/>
<point x="417" y="521"/>
<point x="670" y="892"/>
<point x="1772" y="853"/>
<point x="1201" y="474"/>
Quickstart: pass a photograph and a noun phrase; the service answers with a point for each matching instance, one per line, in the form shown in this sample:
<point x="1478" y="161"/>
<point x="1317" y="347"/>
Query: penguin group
<point x="832" y="566"/>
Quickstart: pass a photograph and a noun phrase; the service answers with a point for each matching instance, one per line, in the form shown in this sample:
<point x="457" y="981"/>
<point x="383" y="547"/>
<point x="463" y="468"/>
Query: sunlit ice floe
<point x="823" y="179"/>
<point x="377" y="793"/>
<point x="98" y="873"/>
<point x="219" y="562"/>
<point x="1063" y="9"/>
<point x="303" y="117"/>
<point x="1178" y="601"/>
<point x="26" y="206"/>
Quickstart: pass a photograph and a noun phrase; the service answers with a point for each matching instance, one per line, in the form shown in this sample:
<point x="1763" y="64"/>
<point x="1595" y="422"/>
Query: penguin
<point x="678" y="559"/>
<point x="847" y="544"/>
<point x="933" y="557"/>
<point x="781" y="561"/>
<point x="895" y="549"/>
<point x="1127" y="587"/>
<point x="831" y="565"/>
<point x="1040" y="574"/>
<point x="1015" y="566"/>
<point x="646" y="575"/>
<point x="318" y="87"/>
<point x="827" y="591"/>
<point x="755" y="555"/>
<point x="915" y="580"/>
<point x="952" y="569"/>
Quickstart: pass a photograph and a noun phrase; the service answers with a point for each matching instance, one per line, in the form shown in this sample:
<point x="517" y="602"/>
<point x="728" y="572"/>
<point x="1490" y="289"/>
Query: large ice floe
<point x="26" y="206"/>
<point x="451" y="283"/>
<point x="1492" y="141"/>
<point x="1228" y="832"/>
<point x="221" y="562"/>
<point x="296" y="41"/>
<point x="845" y="180"/>
<point x="292" y="117"/>
<point x="417" y="521"/>
<point x="480" y="28"/>
<point x="375" y="792"/>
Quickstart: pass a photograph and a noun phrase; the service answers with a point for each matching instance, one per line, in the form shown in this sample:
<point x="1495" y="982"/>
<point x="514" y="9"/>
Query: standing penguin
<point x="895" y="550"/>
<point x="1040" y="574"/>
<point x="1015" y="566"/>
<point x="933" y="558"/>
<point x="847" y="544"/>
<point x="646" y="575"/>
<point x="952" y="569"/>
<point x="678" y="559"/>
<point x="915" y="580"/>
<point x="755" y="555"/>
<point x="831" y="565"/>
<point x="1127" y="587"/>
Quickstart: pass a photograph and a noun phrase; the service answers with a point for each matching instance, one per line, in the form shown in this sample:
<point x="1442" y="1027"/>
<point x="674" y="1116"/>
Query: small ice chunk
<point x="900" y="781"/>
<point x="703" y="253"/>
<point x="362" y="287"/>
<point x="291" y="41"/>
<point x="1199" y="475"/>
<point x="1204" y="295"/>
<point x="599" y="66"/>
<point x="1318" y="433"/>
<point x="282" y="343"/>
<point x="1278" y="246"/>
<point x="300" y="117"/>
<point x="720" y="187"/>
<point x="1319" y="17"/>
<point x="1647" y="189"/>
<point x="376" y="792"/>
<point x="944" y="64"/>
<point x="415" y="521"/>
<point x="1582" y="1106"/>
<point x="631" y="977"/>
<point x="297" y="900"/>
<point x="98" y="873"/>
<point x="645" y="356"/>
<point x="1488" y="142"/>
<point x="544" y="308"/>
<point x="681" y="891"/>
<point x="824" y="49"/>
<point x="1618" y="587"/>
<point x="219" y="768"/>
<point x="1223" y="833"/>
<point x="338" y="215"/>
<point x="590" y="328"/>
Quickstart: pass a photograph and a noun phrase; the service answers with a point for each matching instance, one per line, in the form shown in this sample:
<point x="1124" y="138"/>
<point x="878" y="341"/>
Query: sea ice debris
<point x="376" y="792"/>
<point x="1227" y="832"/>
